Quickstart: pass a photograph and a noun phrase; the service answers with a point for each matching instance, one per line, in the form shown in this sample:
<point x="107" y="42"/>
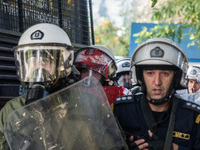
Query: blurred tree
<point x="103" y="9"/>
<point x="134" y="11"/>
<point x="175" y="16"/>
<point x="112" y="37"/>
<point x="107" y="32"/>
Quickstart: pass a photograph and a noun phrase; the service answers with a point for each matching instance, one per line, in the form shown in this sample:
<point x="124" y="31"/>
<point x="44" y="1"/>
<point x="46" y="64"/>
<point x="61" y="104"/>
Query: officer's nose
<point x="157" y="79"/>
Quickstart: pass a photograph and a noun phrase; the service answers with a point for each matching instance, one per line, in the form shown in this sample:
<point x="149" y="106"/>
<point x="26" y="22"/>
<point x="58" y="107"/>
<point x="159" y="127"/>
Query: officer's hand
<point x="155" y="143"/>
<point x="175" y="146"/>
<point x="137" y="144"/>
<point x="150" y="133"/>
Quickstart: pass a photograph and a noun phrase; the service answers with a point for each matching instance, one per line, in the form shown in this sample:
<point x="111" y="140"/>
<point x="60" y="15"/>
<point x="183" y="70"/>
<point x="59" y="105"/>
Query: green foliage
<point x="153" y="3"/>
<point x="112" y="37"/>
<point x="164" y="30"/>
<point x="184" y="14"/>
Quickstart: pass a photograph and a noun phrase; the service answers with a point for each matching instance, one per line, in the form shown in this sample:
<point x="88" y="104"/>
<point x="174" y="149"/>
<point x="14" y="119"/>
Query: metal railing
<point x="74" y="16"/>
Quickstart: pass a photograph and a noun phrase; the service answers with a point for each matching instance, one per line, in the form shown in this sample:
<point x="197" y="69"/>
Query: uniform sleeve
<point x="194" y="143"/>
<point x="196" y="133"/>
<point x="183" y="148"/>
<point x="195" y="139"/>
<point x="3" y="143"/>
<point x="3" y="114"/>
<point x="5" y="111"/>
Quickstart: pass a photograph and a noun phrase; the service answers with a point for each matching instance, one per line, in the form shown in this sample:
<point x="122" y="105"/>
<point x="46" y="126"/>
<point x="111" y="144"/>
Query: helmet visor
<point x="41" y="63"/>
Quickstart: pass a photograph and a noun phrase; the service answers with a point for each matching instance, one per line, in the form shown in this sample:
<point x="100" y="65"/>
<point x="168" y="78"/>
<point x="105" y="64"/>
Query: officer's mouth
<point x="157" y="91"/>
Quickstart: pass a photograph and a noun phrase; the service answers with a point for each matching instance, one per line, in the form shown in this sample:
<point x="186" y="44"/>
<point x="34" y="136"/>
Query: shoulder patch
<point x="192" y="106"/>
<point x="127" y="99"/>
<point x="197" y="121"/>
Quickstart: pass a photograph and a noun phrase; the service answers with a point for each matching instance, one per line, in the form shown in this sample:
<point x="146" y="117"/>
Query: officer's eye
<point x="149" y="73"/>
<point x="165" y="73"/>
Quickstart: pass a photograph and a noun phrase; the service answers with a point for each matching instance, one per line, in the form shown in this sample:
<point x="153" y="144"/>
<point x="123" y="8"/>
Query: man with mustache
<point x="156" y="119"/>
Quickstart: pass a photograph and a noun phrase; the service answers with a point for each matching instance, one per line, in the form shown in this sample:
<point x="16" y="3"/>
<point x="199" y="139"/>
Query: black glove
<point x="155" y="143"/>
<point x="131" y="144"/>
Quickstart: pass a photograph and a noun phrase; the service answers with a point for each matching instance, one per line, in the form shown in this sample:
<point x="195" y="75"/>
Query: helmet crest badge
<point x="193" y="72"/>
<point x="37" y="35"/>
<point x="126" y="64"/>
<point x="157" y="52"/>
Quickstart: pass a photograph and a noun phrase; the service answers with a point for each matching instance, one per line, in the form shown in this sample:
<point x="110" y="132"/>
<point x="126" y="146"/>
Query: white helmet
<point x="97" y="58"/>
<point x="43" y="55"/>
<point x="159" y="52"/>
<point x="123" y="72"/>
<point x="198" y="78"/>
<point x="192" y="72"/>
<point x="123" y="65"/>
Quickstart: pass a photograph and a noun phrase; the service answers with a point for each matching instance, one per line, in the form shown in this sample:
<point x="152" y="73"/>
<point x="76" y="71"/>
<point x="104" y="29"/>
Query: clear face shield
<point x="38" y="64"/>
<point x="89" y="73"/>
<point x="125" y="81"/>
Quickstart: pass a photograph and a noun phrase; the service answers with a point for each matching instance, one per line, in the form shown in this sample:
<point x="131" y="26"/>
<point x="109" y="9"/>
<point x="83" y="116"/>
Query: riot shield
<point x="192" y="97"/>
<point x="77" y="117"/>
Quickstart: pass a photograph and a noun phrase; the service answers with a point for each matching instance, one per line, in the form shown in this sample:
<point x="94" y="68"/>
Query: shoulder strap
<point x="147" y="113"/>
<point x="170" y="130"/>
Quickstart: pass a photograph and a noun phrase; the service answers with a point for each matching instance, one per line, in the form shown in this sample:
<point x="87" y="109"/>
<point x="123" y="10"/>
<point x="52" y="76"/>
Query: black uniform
<point x="186" y="133"/>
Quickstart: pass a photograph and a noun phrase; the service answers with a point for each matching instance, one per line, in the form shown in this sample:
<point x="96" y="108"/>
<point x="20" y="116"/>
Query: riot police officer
<point x="123" y="73"/>
<point x="43" y="58"/>
<point x="191" y="77"/>
<point x="157" y="119"/>
<point x="97" y="61"/>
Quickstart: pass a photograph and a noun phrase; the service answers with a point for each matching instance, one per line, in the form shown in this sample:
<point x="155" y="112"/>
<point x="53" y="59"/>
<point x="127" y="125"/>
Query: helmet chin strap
<point x="159" y="101"/>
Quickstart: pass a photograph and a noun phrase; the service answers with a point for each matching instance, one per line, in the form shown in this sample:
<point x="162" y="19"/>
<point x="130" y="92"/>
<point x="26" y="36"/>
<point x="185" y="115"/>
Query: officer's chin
<point x="157" y="97"/>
